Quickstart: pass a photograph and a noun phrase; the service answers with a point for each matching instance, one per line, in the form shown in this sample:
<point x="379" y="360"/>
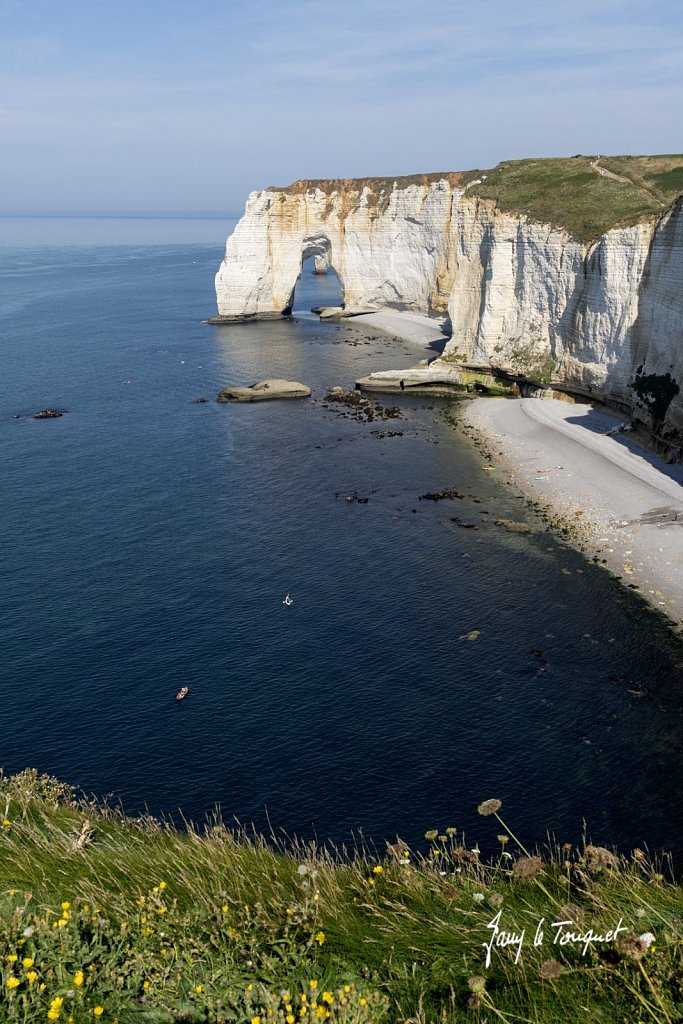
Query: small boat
<point x="182" y="693"/>
<point x="288" y="601"/>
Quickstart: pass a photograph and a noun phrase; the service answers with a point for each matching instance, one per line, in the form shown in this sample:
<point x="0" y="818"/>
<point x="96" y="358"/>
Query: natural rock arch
<point x="319" y="247"/>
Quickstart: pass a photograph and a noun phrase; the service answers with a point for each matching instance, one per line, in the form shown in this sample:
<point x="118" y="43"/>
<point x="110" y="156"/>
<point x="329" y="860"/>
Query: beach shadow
<point x="608" y="425"/>
<point x="439" y="344"/>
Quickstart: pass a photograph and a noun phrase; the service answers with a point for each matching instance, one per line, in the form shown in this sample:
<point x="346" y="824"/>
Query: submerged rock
<point x="264" y="390"/>
<point x="446" y="494"/>
<point x="512" y="527"/>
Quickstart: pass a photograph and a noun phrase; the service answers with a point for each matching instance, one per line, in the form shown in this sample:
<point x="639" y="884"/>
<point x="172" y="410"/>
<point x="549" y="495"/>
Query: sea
<point x="429" y="660"/>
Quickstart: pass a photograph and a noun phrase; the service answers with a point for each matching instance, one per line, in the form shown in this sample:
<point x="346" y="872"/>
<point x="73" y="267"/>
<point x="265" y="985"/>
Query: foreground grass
<point x="108" y="918"/>
<point x="570" y="194"/>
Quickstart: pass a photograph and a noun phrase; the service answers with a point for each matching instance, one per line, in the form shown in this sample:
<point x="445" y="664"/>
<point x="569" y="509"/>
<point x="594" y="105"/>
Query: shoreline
<point x="622" y="502"/>
<point x="619" y="502"/>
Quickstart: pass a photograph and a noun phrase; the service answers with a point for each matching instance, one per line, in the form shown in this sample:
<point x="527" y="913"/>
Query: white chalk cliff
<point x="521" y="296"/>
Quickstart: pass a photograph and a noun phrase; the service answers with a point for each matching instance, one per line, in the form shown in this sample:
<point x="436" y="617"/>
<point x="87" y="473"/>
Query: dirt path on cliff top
<point x="604" y="173"/>
<point x="627" y="500"/>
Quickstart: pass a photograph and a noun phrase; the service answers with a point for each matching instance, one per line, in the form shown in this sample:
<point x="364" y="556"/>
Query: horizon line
<point x="115" y="215"/>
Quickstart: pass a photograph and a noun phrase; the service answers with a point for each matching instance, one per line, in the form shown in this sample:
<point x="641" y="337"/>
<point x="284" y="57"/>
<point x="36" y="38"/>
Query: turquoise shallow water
<point x="148" y="542"/>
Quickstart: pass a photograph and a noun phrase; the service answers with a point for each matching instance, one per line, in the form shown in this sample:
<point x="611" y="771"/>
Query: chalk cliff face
<point x="529" y="298"/>
<point x="521" y="296"/>
<point x="390" y="246"/>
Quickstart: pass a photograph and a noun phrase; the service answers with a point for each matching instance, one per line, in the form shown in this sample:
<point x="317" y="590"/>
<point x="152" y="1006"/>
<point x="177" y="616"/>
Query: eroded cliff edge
<point x="577" y="281"/>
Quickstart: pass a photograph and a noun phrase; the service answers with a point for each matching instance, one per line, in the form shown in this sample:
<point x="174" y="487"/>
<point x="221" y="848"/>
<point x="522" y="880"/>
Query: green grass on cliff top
<point x="565" y="192"/>
<point x="119" y="920"/>
<point x="570" y="194"/>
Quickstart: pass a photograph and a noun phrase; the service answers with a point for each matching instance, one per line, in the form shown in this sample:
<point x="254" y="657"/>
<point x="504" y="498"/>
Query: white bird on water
<point x="288" y="601"/>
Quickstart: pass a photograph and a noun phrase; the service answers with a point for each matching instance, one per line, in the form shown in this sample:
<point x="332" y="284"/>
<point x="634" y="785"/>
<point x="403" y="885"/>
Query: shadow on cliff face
<point x="655" y="334"/>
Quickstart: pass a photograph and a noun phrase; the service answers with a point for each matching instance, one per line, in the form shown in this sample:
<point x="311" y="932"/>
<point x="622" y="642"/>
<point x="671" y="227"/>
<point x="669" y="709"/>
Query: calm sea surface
<point x="148" y="542"/>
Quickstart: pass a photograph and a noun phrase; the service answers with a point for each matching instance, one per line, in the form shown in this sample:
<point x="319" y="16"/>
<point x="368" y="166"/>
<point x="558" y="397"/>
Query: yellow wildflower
<point x="140" y="901"/>
<point x="255" y="1020"/>
<point x="327" y="997"/>
<point x="13" y="892"/>
<point x="378" y="869"/>
<point x="12" y="982"/>
<point x="63" y="922"/>
<point x="290" y="1018"/>
<point x="98" y="1011"/>
<point x="199" y="989"/>
<point x="56" y="1003"/>
<point x="362" y="1001"/>
<point x="161" y="910"/>
<point x="31" y="977"/>
<point x="162" y="885"/>
<point x="65" y="906"/>
<point x="6" y="822"/>
<point x="320" y="938"/>
<point x="224" y="908"/>
<point x="12" y="958"/>
<point x="27" y="962"/>
<point x="155" y="889"/>
<point x="79" y="978"/>
<point x="53" y="1014"/>
<point x="41" y="987"/>
<point x="313" y="983"/>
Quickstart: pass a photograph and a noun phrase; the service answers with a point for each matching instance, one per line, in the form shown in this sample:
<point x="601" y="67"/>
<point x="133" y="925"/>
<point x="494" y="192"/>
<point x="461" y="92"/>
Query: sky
<point x="167" y="106"/>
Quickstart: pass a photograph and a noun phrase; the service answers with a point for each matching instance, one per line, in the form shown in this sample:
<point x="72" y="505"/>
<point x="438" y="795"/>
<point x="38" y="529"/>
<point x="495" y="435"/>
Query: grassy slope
<point x="150" y="924"/>
<point x="570" y="194"/>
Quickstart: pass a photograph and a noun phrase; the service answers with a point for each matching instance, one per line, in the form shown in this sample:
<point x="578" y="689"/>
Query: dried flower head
<point x="476" y="984"/>
<point x="551" y="969"/>
<point x="633" y="948"/>
<point x="495" y="899"/>
<point x="527" y="868"/>
<point x="431" y="834"/>
<point x="489" y="807"/>
<point x="570" y="912"/>
<point x="398" y="849"/>
<point x="598" y="858"/>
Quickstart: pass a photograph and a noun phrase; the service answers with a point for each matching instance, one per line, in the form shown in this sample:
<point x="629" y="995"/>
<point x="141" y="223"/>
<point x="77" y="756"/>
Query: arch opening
<point x="318" y="283"/>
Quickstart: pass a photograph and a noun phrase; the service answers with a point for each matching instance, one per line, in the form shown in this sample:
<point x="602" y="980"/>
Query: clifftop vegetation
<point x="104" y="917"/>
<point x="585" y="195"/>
<point x="571" y="193"/>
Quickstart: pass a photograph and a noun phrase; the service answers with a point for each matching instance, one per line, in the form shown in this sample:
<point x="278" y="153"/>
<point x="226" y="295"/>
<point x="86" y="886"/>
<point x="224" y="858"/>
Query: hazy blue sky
<point x="167" y="105"/>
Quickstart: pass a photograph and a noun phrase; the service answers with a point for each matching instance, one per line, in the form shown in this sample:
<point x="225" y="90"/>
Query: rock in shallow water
<point x="264" y="390"/>
<point x="48" y="414"/>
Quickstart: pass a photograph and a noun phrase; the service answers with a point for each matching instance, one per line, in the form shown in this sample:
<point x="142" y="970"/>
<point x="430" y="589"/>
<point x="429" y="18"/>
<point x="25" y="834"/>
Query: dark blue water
<point x="148" y="542"/>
